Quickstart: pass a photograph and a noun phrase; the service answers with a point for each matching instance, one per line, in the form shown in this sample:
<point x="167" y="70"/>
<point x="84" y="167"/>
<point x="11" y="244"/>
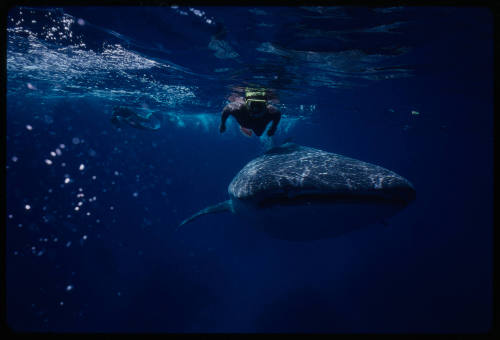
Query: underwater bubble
<point x="29" y="127"/>
<point x="52" y="153"/>
<point x="66" y="180"/>
<point x="48" y="162"/>
<point x="81" y="167"/>
<point x="81" y="22"/>
<point x="135" y="194"/>
<point x="58" y="152"/>
<point x="62" y="146"/>
<point x="69" y="288"/>
<point x="75" y="140"/>
<point x="27" y="207"/>
<point x="15" y="159"/>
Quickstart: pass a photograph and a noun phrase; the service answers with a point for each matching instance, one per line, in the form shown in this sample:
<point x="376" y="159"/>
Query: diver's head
<point x="255" y="99"/>
<point x="256" y="105"/>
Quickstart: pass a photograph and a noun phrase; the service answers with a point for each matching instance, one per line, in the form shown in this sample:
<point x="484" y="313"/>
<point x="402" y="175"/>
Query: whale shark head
<point x="300" y="193"/>
<point x="292" y="174"/>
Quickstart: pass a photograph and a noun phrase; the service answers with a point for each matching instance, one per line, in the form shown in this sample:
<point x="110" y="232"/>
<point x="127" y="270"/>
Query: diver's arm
<point x="276" y="117"/>
<point x="225" y="115"/>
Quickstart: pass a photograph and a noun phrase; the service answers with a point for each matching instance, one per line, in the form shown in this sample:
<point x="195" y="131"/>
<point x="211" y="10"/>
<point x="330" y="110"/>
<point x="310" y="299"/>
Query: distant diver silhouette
<point x="123" y="115"/>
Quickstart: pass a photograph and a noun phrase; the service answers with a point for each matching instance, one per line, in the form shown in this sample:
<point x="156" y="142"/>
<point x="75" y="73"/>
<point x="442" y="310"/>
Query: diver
<point x="252" y="113"/>
<point x="125" y="115"/>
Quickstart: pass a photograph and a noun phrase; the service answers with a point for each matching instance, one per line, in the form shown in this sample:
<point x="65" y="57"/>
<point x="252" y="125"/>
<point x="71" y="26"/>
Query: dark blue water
<point x="92" y="209"/>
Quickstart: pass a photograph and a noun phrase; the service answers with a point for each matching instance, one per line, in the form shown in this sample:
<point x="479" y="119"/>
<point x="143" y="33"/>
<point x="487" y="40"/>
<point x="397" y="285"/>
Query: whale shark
<point x="300" y="193"/>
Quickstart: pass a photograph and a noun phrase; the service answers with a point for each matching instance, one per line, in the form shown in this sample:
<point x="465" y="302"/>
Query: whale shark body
<point x="299" y="193"/>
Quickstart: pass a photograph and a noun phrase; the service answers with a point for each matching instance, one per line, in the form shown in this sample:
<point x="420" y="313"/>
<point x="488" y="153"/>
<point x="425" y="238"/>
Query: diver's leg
<point x="272" y="141"/>
<point x="147" y="124"/>
<point x="259" y="130"/>
<point x="266" y="142"/>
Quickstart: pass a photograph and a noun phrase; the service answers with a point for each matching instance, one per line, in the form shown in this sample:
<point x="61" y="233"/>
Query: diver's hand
<point x="222" y="128"/>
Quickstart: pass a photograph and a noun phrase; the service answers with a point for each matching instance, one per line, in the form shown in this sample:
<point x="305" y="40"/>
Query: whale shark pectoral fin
<point x="219" y="207"/>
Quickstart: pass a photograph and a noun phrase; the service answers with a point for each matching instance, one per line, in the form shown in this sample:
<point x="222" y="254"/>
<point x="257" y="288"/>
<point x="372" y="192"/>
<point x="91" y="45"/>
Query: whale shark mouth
<point x="395" y="196"/>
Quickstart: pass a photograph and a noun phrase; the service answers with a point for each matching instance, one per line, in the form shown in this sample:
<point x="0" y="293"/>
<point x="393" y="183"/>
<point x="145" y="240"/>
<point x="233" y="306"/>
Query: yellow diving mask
<point x="257" y="96"/>
<point x="250" y="100"/>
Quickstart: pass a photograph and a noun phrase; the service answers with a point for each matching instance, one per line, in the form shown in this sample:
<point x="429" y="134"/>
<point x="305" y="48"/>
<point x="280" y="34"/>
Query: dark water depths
<point x="91" y="210"/>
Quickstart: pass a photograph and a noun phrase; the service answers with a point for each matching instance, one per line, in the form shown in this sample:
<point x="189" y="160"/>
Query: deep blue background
<point x="430" y="270"/>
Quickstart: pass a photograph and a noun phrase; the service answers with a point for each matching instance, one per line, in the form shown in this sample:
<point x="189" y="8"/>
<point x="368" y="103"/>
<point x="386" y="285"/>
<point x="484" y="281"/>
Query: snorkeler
<point x="252" y="113"/>
<point x="125" y="115"/>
